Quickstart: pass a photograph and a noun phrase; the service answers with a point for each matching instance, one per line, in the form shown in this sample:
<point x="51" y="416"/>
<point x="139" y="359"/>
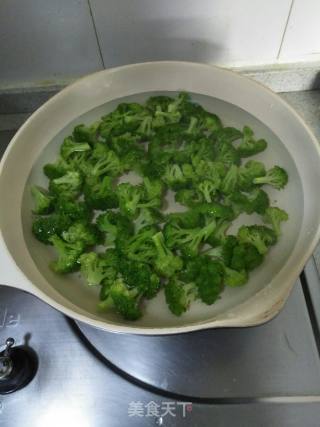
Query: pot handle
<point x="10" y="273"/>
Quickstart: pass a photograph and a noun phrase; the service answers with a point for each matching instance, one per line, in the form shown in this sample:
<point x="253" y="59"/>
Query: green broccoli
<point x="226" y="154"/>
<point x="104" y="161"/>
<point x="187" y="241"/>
<point x="97" y="268"/>
<point x="227" y="135"/>
<point x="256" y="201"/>
<point x="140" y="275"/>
<point x="172" y="144"/>
<point x="99" y="193"/>
<point x="188" y="197"/>
<point x="235" y="278"/>
<point x="146" y="218"/>
<point x="43" y="201"/>
<point x="69" y="184"/>
<point x="88" y="234"/>
<point x="258" y="235"/>
<point x="45" y="227"/>
<point x="69" y="146"/>
<point x="175" y="177"/>
<point x="72" y="209"/>
<point x="189" y="219"/>
<point x="125" y="301"/>
<point x="68" y="255"/>
<point x="277" y="177"/>
<point x="230" y="181"/>
<point x="208" y="189"/>
<point x="57" y="169"/>
<point x="275" y="216"/>
<point x="179" y="295"/>
<point x="252" y="169"/>
<point x="250" y="146"/>
<point x="82" y="133"/>
<point x="245" y="256"/>
<point x="129" y="197"/>
<point x="208" y="275"/>
<point x="165" y="262"/>
<point x="112" y="224"/>
<point x="139" y="247"/>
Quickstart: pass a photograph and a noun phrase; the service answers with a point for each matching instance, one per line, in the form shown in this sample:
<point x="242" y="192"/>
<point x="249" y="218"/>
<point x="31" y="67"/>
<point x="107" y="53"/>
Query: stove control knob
<point x="18" y="366"/>
<point x="6" y="364"/>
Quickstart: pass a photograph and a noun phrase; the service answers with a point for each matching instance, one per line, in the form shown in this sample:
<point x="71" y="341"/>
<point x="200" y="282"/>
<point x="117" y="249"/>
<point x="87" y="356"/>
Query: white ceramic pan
<point x="238" y="101"/>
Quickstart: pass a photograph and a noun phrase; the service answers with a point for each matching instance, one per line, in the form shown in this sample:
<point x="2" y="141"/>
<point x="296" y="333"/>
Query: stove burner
<point x="18" y="366"/>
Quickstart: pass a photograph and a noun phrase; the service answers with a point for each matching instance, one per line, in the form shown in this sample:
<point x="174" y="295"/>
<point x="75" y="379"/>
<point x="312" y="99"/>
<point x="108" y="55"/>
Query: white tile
<point x="231" y="32"/>
<point x="302" y="37"/>
<point x="46" y="40"/>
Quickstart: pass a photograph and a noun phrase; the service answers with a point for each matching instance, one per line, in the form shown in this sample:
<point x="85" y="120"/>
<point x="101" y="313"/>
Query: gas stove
<point x="64" y="373"/>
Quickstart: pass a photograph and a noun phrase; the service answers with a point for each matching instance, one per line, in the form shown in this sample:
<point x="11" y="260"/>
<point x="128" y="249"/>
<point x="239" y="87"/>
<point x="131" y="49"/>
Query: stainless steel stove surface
<point x="262" y="376"/>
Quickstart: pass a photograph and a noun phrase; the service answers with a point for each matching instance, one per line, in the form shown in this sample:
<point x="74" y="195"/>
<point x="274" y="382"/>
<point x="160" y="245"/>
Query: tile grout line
<point x="96" y="33"/>
<point x="285" y="29"/>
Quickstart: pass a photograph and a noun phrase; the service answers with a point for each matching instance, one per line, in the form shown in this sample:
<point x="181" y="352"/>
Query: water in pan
<point x="156" y="312"/>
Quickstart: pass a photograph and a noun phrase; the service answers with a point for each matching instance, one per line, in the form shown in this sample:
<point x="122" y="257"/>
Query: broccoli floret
<point x="230" y="181"/>
<point x="79" y="231"/>
<point x="179" y="295"/>
<point x="139" y="247"/>
<point x="125" y="143"/>
<point x="188" y="197"/>
<point x="99" y="193"/>
<point x="43" y="201"/>
<point x="98" y="268"/>
<point x="68" y="255"/>
<point x="74" y="210"/>
<point x="187" y="240"/>
<point x="245" y="256"/>
<point x="152" y="188"/>
<point x="228" y="247"/>
<point x="199" y="149"/>
<point x="258" y="235"/>
<point x="275" y="216"/>
<point x="215" y="210"/>
<point x="250" y="146"/>
<point x="69" y="146"/>
<point x="206" y="170"/>
<point x="165" y="262"/>
<point x="69" y="184"/>
<point x="252" y="169"/>
<point x="112" y="224"/>
<point x="129" y="197"/>
<point x="139" y="275"/>
<point x="125" y="301"/>
<point x="47" y="226"/>
<point x="218" y="236"/>
<point x="125" y="118"/>
<point x="226" y="154"/>
<point x="57" y="169"/>
<point x="207" y="275"/>
<point x="256" y="201"/>
<point x="104" y="161"/>
<point x="277" y="177"/>
<point x="146" y="218"/>
<point x="211" y="122"/>
<point x="235" y="278"/>
<point x="82" y="133"/>
<point x="208" y="189"/>
<point x="159" y="101"/>
<point x="227" y="135"/>
<point x="189" y="219"/>
<point x="176" y="177"/>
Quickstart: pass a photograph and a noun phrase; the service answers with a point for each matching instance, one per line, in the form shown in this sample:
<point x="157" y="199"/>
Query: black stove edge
<point x="310" y="281"/>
